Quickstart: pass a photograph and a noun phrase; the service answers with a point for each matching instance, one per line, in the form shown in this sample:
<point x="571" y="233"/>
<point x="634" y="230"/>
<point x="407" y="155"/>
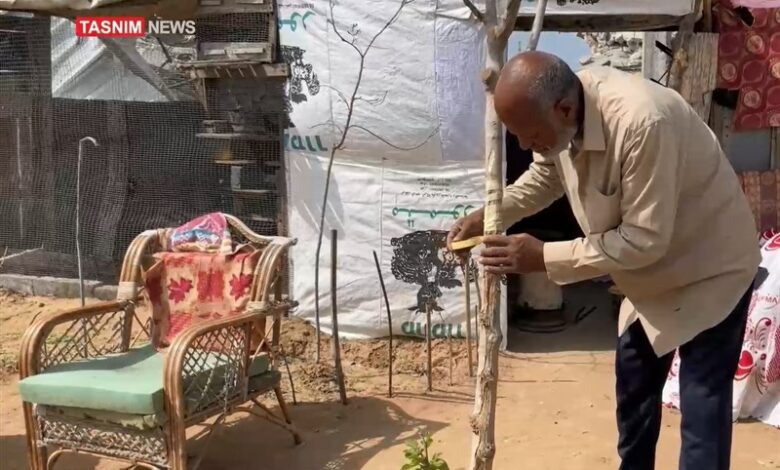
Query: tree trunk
<point x="488" y="324"/>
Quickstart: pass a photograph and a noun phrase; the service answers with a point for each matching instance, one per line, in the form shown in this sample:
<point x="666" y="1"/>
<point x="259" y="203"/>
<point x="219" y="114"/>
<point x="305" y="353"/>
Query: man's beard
<point x="564" y="140"/>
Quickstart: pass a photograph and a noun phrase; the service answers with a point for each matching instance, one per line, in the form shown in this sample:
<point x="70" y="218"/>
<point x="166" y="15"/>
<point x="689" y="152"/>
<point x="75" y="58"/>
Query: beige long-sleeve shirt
<point x="660" y="206"/>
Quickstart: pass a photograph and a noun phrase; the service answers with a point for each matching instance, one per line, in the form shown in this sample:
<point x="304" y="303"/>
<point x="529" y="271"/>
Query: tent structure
<point x="411" y="165"/>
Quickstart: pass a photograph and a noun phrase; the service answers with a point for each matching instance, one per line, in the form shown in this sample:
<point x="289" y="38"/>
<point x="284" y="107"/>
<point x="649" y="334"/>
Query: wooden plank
<point x="234" y="162"/>
<point x="253" y="192"/>
<point x="236" y="136"/>
<point x="602" y="23"/>
<point x="233" y="69"/>
<point x="716" y="122"/>
<point x="699" y="76"/>
<point x="680" y="47"/>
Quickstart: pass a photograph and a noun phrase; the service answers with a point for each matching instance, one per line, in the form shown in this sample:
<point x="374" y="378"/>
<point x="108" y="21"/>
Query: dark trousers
<point x="707" y="367"/>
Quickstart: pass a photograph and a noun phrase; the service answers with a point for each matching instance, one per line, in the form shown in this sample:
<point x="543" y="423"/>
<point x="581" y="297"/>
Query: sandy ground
<point x="555" y="409"/>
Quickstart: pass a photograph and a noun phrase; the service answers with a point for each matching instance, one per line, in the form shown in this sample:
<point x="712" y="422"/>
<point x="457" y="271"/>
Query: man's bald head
<point x="537" y="98"/>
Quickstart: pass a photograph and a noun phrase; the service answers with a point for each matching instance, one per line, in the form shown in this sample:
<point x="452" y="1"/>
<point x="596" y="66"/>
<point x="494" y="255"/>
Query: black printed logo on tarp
<point x="301" y="73"/>
<point x="421" y="258"/>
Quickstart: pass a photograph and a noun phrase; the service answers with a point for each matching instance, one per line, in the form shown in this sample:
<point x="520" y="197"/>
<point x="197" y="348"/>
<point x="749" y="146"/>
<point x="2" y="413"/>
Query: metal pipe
<point x="78" y="210"/>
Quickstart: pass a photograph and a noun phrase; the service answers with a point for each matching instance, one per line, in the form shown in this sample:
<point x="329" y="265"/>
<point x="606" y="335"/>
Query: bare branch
<point x="373" y="101"/>
<point x="389" y="22"/>
<point x="332" y="22"/>
<point x="474" y="10"/>
<point x="329" y="123"/>
<point x="536" y="30"/>
<point x="341" y="95"/>
<point x="350" y="108"/>
<point x="390" y="144"/>
<point x="504" y="30"/>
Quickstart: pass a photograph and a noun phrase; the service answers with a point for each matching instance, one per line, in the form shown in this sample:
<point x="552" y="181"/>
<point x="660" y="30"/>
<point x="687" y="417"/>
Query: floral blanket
<point x="757" y="381"/>
<point x="190" y="287"/>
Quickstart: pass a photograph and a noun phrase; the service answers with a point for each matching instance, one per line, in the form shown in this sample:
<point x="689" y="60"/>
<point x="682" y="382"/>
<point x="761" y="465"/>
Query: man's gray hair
<point x="556" y="82"/>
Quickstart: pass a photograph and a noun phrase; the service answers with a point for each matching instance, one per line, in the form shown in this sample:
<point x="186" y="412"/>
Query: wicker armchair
<point x="212" y="368"/>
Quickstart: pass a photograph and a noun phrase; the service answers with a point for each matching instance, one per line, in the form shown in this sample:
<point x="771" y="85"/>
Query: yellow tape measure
<point x="466" y="244"/>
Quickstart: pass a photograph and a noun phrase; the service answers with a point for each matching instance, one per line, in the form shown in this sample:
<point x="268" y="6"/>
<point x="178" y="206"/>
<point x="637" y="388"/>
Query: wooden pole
<point x="449" y="346"/>
<point x="680" y="47"/>
<point x="289" y="374"/>
<point x="389" y="330"/>
<point x="428" y="350"/>
<point x="536" y="29"/>
<point x="467" y="280"/>
<point x="335" y="347"/>
<point x="489" y="326"/>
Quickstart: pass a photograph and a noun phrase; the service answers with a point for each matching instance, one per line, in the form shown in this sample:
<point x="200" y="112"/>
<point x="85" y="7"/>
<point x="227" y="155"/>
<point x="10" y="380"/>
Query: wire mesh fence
<point x="170" y="147"/>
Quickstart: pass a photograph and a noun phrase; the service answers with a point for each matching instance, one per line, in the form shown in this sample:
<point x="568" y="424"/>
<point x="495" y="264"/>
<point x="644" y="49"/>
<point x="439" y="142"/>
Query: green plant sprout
<point x="417" y="455"/>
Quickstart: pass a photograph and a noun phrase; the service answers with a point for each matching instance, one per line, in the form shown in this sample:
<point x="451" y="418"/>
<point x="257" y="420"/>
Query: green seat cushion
<point x="129" y="382"/>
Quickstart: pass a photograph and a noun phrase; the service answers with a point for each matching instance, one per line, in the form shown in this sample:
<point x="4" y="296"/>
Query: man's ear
<point x="566" y="109"/>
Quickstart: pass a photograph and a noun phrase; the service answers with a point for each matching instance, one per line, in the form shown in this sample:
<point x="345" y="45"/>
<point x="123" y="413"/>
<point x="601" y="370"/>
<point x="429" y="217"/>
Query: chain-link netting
<point x="170" y="146"/>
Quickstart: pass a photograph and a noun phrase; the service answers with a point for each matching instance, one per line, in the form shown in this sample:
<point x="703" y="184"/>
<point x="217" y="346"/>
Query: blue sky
<point x="567" y="46"/>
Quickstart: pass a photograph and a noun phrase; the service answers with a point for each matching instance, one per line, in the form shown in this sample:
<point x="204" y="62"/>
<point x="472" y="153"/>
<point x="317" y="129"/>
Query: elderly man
<point x="662" y="213"/>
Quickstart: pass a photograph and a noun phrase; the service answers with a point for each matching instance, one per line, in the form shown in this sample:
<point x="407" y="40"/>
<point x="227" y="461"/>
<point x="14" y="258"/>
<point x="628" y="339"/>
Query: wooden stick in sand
<point x="389" y="330"/>
<point x="467" y="278"/>
<point x="428" y="344"/>
<point x="449" y="346"/>
<point x="289" y="374"/>
<point x="335" y="347"/>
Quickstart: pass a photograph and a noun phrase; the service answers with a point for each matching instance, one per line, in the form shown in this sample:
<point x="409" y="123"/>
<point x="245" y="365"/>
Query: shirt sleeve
<point x="650" y="186"/>
<point x="534" y="190"/>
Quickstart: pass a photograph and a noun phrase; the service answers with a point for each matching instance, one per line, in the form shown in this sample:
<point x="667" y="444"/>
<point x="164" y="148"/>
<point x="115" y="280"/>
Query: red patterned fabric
<point x="749" y="61"/>
<point x="186" y="288"/>
<point x="762" y="190"/>
<point x="756" y="3"/>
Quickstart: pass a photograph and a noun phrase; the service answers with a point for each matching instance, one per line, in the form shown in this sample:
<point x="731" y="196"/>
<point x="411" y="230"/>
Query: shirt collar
<point x="593" y="129"/>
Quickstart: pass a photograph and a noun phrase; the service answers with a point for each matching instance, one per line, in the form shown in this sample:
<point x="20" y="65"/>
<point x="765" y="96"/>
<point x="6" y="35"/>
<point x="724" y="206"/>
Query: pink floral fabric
<point x="757" y="380"/>
<point x="207" y="233"/>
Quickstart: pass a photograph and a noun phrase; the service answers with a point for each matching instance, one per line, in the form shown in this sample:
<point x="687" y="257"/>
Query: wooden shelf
<point x="225" y="68"/>
<point x="254" y="192"/>
<point x="260" y="218"/>
<point x="601" y="23"/>
<point x="237" y="136"/>
<point x="234" y="162"/>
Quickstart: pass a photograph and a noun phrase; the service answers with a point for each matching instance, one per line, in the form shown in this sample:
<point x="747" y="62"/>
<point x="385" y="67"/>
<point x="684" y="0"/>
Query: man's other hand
<point x="464" y="228"/>
<point x="506" y="254"/>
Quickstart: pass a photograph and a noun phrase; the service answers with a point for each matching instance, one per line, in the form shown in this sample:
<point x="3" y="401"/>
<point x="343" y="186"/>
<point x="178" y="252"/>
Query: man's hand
<point x="512" y="254"/>
<point x="464" y="228"/>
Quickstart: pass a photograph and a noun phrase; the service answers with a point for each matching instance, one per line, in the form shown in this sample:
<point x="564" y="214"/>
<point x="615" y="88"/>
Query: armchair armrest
<point x="267" y="309"/>
<point x="78" y="334"/>
<point x="208" y="364"/>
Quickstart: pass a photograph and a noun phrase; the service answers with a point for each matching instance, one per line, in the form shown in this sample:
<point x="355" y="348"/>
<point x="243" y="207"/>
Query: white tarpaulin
<point x="571" y="7"/>
<point x="420" y="103"/>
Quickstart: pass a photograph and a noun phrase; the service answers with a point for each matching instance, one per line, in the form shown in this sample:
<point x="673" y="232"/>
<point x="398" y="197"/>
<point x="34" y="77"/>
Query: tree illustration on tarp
<point x="421" y="258"/>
